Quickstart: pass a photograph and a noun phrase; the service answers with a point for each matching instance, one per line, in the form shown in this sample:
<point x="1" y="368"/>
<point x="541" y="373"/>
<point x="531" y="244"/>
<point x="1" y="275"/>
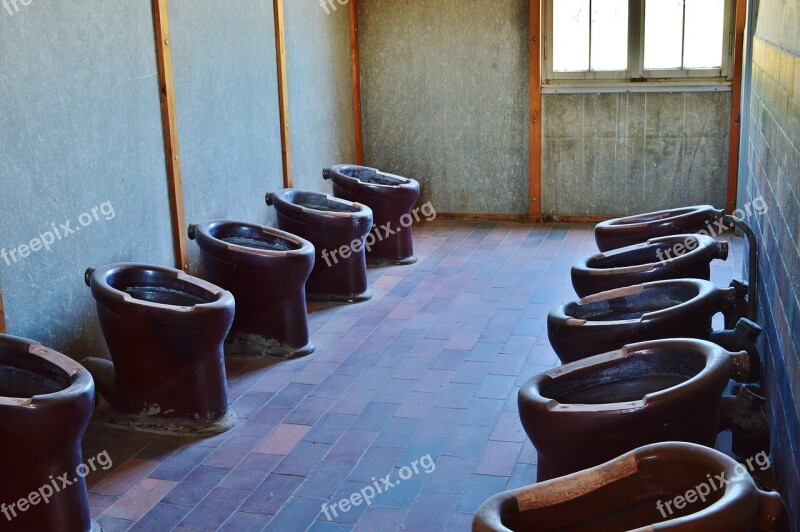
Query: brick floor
<point x="430" y="366"/>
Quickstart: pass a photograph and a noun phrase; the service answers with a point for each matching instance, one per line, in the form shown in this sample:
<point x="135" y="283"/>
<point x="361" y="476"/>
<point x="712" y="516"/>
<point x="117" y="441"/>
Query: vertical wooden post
<point x="535" y="120"/>
<point x="356" y="69"/>
<point x="170" y="125"/>
<point x="283" y="91"/>
<point x="736" y="103"/>
<point x="2" y="314"/>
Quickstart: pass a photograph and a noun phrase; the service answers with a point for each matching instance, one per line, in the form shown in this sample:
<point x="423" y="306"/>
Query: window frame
<point x="636" y="73"/>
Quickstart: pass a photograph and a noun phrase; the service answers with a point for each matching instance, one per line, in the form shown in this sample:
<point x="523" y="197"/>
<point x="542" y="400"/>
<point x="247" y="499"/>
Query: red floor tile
<point x="431" y="365"/>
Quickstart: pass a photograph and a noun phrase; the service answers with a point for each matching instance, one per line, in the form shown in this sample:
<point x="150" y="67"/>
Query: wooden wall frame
<point x="535" y="118"/>
<point x="170" y="126"/>
<point x="283" y="91"/>
<point x="356" y="70"/>
<point x="2" y="314"/>
<point x="736" y="104"/>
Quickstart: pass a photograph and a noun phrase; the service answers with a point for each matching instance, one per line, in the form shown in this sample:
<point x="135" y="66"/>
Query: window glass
<point x="609" y="35"/>
<point x="663" y="34"/>
<point x="570" y="35"/>
<point x="703" y="37"/>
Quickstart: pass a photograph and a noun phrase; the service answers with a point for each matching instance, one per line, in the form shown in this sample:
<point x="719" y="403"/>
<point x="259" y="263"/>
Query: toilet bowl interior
<point x="626" y="504"/>
<point x="156" y="287"/>
<point x="626" y="379"/>
<point x="372" y="177"/>
<point x="254" y="238"/>
<point x="23" y="375"/>
<point x="324" y="204"/>
<point x="653" y="217"/>
<point x="645" y="255"/>
<point x="634" y="305"/>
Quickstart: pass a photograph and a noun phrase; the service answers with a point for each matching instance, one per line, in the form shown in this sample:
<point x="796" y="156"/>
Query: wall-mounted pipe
<point x="742" y="415"/>
<point x="752" y="304"/>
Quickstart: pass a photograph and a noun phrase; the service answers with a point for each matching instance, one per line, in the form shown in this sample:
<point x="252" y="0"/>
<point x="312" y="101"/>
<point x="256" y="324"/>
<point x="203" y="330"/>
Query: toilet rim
<point x="704" y="288"/>
<point x="716" y="358"/>
<point x="659" y="217"/>
<point x="97" y="280"/>
<point x="338" y="171"/>
<point x="285" y="197"/>
<point x="637" y="462"/>
<point x="81" y="381"/>
<point x="704" y="244"/>
<point x="202" y="234"/>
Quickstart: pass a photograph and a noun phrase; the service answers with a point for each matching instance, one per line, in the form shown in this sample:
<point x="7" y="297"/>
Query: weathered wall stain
<point x="615" y="154"/>
<point x="445" y="99"/>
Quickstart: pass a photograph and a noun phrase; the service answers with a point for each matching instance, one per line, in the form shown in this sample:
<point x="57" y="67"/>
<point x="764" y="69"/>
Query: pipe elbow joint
<point x="723" y="250"/>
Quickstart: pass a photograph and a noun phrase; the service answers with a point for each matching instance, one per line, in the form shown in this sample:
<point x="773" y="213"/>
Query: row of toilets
<point x="629" y="421"/>
<point x="168" y="333"/>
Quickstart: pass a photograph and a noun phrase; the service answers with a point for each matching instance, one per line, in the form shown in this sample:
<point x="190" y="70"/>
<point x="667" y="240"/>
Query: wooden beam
<point x="356" y="69"/>
<point x="2" y="315"/>
<point x="535" y="118"/>
<point x="170" y="126"/>
<point x="736" y="103"/>
<point x="283" y="91"/>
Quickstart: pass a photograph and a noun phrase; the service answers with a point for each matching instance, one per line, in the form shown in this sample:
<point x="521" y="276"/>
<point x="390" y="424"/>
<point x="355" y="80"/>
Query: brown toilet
<point x="46" y="402"/>
<point x="391" y="198"/>
<point x="165" y="332"/>
<point x="337" y="228"/>
<point x="643" y="490"/>
<point x="266" y="270"/>
<point x="623" y="232"/>
<point x="582" y="414"/>
<point x="669" y="257"/>
<point x="679" y="308"/>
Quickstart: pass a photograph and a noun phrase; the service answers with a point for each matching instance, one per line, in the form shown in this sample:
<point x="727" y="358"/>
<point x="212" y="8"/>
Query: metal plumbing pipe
<point x="752" y="288"/>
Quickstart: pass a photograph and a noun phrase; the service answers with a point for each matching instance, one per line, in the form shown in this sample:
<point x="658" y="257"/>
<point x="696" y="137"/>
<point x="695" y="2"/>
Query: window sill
<point x="590" y="87"/>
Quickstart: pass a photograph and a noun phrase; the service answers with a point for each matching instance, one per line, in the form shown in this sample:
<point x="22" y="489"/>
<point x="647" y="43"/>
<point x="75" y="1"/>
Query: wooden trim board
<point x="356" y="69"/>
<point x="170" y="126"/>
<point x="283" y="91"/>
<point x="736" y="103"/>
<point x="535" y="118"/>
<point x="2" y="314"/>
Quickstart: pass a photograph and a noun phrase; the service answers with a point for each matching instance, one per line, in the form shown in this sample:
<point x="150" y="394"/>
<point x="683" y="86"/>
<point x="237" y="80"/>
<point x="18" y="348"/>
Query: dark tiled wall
<point x="773" y="161"/>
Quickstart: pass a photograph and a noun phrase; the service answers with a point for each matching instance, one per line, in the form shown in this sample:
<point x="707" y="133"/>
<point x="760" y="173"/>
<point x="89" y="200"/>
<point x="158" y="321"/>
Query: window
<point x="637" y="40"/>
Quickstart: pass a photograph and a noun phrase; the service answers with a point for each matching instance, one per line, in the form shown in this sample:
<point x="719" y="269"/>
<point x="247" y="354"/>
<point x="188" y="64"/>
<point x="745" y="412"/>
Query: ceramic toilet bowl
<point x="632" y="492"/>
<point x="46" y="402"/>
<point x="391" y="198"/>
<point x="623" y="232"/>
<point x="670" y="257"/>
<point x="582" y="414"/>
<point x="266" y="270"/>
<point x="337" y="228"/>
<point x="165" y="332"/>
<point x="679" y="308"/>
